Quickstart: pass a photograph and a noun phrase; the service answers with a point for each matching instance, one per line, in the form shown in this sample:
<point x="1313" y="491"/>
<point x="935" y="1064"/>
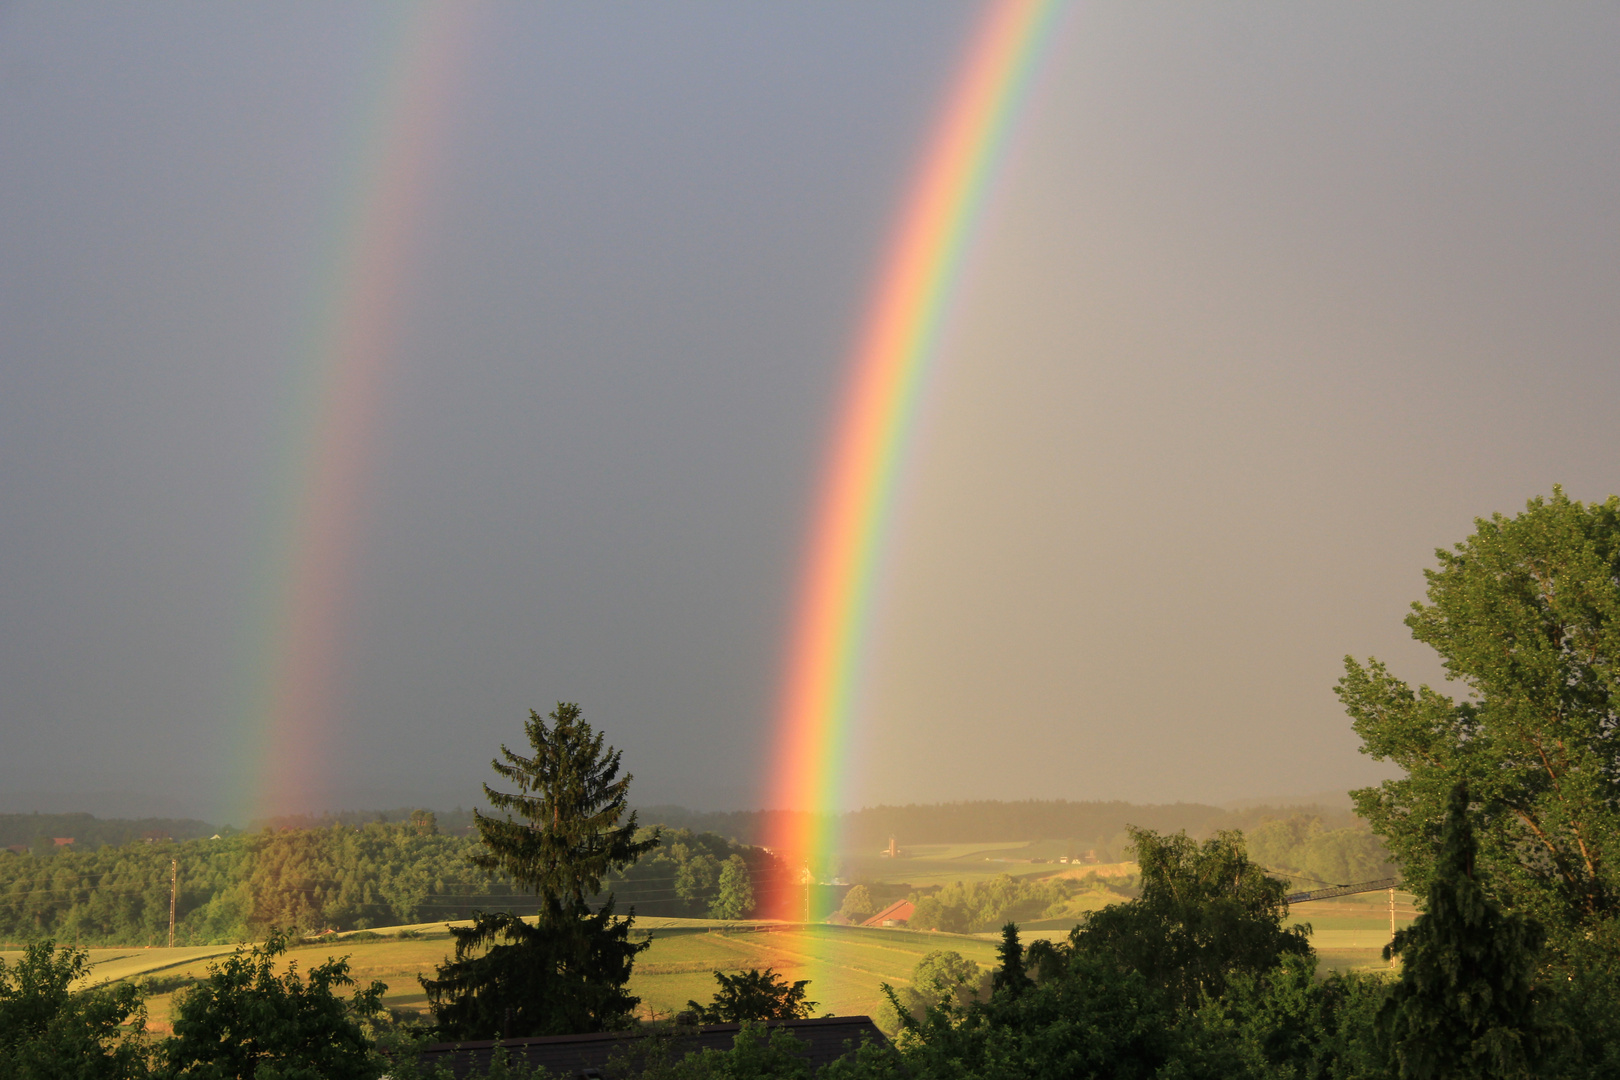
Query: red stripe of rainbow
<point x="886" y="375"/>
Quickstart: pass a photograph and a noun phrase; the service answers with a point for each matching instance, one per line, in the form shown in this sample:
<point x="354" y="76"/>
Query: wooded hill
<point x="308" y="880"/>
<point x="1094" y="824"/>
<point x="88" y="832"/>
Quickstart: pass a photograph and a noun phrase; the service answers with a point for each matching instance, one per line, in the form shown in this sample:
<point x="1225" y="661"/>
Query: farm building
<point x="895" y="914"/>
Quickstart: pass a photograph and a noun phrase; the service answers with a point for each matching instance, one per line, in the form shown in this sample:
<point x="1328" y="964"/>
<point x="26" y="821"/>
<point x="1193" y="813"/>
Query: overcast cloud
<point x="1270" y="302"/>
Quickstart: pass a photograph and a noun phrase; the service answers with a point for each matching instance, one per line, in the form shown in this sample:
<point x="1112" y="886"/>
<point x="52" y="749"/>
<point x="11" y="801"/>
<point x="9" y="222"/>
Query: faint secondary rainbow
<point x="886" y="373"/>
<point x="340" y="379"/>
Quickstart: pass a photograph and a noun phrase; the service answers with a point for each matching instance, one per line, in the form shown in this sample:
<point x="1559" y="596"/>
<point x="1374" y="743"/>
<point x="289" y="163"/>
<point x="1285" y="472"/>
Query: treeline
<point x="1098" y="824"/>
<point x="1311" y="851"/>
<point x="1300" y="847"/>
<point x="1310" y="845"/>
<point x="39" y="832"/>
<point x="308" y="880"/>
<point x="988" y="905"/>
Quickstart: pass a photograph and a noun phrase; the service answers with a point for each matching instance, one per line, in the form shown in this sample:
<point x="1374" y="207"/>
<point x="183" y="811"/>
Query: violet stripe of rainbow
<point x="887" y="370"/>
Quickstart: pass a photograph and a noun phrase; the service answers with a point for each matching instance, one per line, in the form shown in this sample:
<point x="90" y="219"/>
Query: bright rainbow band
<point x="887" y="372"/>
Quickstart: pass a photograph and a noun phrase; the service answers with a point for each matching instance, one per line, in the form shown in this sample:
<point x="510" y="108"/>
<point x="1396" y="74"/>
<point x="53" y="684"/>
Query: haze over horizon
<point x="1269" y="303"/>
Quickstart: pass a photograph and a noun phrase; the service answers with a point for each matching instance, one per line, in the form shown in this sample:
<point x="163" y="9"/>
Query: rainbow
<point x="887" y="369"/>
<point x="340" y="378"/>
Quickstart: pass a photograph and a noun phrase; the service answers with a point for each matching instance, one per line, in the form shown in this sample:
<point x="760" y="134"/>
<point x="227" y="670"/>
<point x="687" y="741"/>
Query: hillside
<point x="1088" y="825"/>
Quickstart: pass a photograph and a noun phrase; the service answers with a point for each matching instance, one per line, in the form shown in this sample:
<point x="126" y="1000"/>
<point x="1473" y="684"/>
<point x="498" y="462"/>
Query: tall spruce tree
<point x="1464" y="1006"/>
<point x="571" y="802"/>
<point x="566" y="973"/>
<point x="513" y="978"/>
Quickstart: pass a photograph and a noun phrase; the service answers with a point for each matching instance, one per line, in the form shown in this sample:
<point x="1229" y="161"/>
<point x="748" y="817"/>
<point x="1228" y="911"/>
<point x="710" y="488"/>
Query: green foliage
<point x="342" y="877"/>
<point x="943" y="979"/>
<point x="858" y="905"/>
<point x="558" y="976"/>
<point x="754" y="995"/>
<point x="1464" y="1006"/>
<point x="49" y="1031"/>
<point x="245" y="1022"/>
<point x="1087" y="1020"/>
<point x="236" y="887"/>
<point x="1525" y="614"/>
<point x="574" y="830"/>
<point x="90" y="832"/>
<point x="698" y="877"/>
<point x="567" y="972"/>
<point x="664" y="881"/>
<point x="1303" y="845"/>
<point x="736" y="891"/>
<point x="986" y="905"/>
<point x="755" y="1054"/>
<point x="1206" y="913"/>
<point x="1578" y="995"/>
<point x="1285" y="1024"/>
<point x="1009" y="978"/>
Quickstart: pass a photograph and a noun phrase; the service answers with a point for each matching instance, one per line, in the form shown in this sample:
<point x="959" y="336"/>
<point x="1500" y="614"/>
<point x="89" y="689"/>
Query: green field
<point x="846" y="964"/>
<point x="942" y="864"/>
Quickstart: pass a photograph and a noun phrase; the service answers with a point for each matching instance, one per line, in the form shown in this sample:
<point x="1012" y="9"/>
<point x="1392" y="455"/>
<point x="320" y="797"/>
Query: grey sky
<point x="1271" y="301"/>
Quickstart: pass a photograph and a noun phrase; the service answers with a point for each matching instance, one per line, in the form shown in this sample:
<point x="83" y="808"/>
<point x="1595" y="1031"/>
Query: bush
<point x="245" y="1021"/>
<point x="49" y="1031"/>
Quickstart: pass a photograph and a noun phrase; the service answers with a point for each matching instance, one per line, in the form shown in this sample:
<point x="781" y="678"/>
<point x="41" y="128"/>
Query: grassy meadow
<point x="846" y="964"/>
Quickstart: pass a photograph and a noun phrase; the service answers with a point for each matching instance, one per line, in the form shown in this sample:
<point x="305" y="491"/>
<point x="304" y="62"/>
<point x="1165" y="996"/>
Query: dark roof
<point x="587" y="1055"/>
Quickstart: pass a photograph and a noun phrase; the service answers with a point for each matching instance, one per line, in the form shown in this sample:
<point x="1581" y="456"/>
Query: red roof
<point x="899" y="911"/>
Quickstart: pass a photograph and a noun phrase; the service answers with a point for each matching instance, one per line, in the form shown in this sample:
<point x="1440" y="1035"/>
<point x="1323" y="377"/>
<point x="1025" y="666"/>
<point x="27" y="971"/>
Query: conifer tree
<point x="567" y="972"/>
<point x="1010" y="976"/>
<point x="571" y="802"/>
<point x="1464" y="1006"/>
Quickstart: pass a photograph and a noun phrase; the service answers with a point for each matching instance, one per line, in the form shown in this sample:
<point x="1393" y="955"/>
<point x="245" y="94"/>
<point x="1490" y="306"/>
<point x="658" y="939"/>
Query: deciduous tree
<point x="1525" y="616"/>
<point x="858" y="904"/>
<point x="246" y="1021"/>
<point x="1206" y="912"/>
<point x="48" y="1030"/>
<point x="735" y="899"/>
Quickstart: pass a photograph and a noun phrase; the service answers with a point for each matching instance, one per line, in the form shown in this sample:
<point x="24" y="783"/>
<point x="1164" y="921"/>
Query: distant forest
<point x="41" y="831"/>
<point x="340" y="877"/>
<point x="1099" y="825"/>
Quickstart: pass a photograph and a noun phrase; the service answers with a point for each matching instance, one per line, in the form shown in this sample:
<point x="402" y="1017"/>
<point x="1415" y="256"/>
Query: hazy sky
<point x="1270" y="301"/>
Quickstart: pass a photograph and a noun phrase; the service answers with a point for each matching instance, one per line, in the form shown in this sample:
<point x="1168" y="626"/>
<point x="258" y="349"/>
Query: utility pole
<point x="1392" y="922"/>
<point x="174" y="891"/>
<point x="808" y="878"/>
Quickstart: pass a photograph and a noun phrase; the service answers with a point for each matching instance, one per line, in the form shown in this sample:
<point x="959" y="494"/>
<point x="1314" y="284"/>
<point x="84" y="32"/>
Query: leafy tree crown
<point x="1525" y="615"/>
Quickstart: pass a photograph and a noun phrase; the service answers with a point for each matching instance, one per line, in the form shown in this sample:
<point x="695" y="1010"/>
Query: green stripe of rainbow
<point x="887" y="369"/>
